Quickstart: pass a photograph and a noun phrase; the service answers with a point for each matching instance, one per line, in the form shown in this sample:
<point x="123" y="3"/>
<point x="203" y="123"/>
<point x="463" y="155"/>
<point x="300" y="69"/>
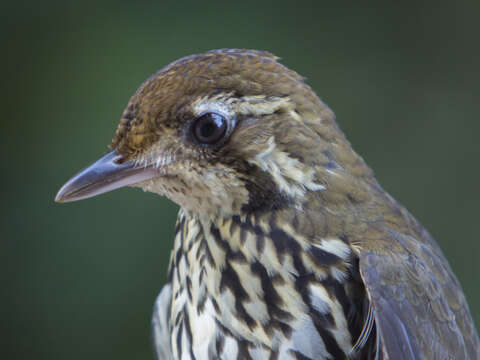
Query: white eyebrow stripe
<point x="228" y="105"/>
<point x="220" y="103"/>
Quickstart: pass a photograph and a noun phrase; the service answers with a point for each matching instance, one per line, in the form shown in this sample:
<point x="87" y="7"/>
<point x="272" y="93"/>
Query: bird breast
<point x="236" y="288"/>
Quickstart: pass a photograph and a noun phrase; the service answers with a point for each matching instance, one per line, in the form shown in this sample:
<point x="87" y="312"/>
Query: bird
<point x="286" y="246"/>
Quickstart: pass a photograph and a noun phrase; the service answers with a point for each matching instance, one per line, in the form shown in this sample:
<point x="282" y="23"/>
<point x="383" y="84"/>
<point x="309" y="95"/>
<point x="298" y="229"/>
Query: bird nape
<point x="286" y="247"/>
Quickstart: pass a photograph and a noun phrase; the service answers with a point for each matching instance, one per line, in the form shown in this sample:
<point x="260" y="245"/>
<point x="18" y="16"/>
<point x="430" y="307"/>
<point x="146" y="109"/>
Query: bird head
<point x="223" y="132"/>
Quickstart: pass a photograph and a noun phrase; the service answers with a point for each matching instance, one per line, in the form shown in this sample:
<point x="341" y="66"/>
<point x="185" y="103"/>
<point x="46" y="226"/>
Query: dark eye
<point x="209" y="128"/>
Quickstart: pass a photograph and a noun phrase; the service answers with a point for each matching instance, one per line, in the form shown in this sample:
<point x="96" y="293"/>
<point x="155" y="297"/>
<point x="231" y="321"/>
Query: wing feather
<point x="419" y="308"/>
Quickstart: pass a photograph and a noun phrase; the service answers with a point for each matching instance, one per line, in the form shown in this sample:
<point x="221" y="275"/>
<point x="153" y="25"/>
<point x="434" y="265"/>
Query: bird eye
<point x="209" y="128"/>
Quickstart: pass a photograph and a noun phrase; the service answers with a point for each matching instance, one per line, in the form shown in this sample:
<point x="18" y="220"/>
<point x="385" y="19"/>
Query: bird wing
<point x="160" y="331"/>
<point x="419" y="309"/>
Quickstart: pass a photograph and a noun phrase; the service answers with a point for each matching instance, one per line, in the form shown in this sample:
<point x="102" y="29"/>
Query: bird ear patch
<point x="291" y="176"/>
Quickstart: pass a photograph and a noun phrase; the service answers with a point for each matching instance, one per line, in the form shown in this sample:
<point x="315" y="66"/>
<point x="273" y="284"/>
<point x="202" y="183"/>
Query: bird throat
<point x="254" y="284"/>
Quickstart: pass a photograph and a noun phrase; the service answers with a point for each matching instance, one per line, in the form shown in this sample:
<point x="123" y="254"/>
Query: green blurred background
<point x="79" y="280"/>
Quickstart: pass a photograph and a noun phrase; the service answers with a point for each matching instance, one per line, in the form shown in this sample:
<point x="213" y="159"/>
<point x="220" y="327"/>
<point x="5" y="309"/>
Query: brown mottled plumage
<point x="286" y="246"/>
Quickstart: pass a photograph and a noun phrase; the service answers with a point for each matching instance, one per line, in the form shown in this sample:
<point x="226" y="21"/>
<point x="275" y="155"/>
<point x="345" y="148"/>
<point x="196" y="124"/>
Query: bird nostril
<point x="120" y="160"/>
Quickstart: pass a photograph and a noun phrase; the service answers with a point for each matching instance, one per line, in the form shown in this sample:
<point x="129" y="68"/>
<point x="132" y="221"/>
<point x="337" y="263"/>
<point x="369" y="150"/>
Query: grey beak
<point x="106" y="174"/>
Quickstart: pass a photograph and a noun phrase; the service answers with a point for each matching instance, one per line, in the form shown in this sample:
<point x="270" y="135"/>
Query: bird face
<point x="205" y="160"/>
<point x="218" y="133"/>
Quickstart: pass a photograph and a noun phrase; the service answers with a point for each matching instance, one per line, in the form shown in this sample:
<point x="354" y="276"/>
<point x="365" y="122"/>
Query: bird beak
<point x="106" y="174"/>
